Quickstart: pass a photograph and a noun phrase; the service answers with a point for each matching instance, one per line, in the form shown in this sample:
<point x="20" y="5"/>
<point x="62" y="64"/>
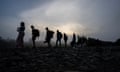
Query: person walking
<point x="59" y="37"/>
<point x="21" y="34"/>
<point x="65" y="39"/>
<point x="35" y="34"/>
<point x="49" y="36"/>
<point x="73" y="42"/>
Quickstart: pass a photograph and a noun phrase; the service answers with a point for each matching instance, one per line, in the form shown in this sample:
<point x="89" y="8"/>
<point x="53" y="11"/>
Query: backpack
<point x="60" y="35"/>
<point x="51" y="34"/>
<point x="36" y="33"/>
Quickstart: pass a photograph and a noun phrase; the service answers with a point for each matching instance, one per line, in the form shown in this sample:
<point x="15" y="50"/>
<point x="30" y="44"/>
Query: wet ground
<point x="87" y="59"/>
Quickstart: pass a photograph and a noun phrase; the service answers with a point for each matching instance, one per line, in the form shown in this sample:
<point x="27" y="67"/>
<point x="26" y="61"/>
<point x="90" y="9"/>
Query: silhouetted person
<point x="49" y="36"/>
<point x="21" y="33"/>
<point x="65" y="39"/>
<point x="59" y="37"/>
<point x="35" y="34"/>
<point x="73" y="43"/>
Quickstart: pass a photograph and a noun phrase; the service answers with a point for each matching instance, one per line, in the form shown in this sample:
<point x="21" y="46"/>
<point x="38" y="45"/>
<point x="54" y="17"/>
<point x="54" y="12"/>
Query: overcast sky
<point x="94" y="18"/>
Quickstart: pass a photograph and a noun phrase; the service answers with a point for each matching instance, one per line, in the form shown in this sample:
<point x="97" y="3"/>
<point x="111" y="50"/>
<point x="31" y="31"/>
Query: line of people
<point x="49" y="36"/>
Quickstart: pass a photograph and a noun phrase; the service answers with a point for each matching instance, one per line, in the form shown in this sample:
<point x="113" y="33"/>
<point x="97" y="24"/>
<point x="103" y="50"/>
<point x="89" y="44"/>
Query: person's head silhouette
<point x="32" y="26"/>
<point x="22" y="24"/>
<point x="57" y="30"/>
<point x="46" y="28"/>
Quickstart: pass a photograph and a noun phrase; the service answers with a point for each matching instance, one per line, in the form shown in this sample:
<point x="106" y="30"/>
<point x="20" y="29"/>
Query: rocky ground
<point x="42" y="59"/>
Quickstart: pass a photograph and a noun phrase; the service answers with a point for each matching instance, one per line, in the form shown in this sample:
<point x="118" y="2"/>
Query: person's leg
<point x="49" y="44"/>
<point x="19" y="41"/>
<point x="74" y="44"/>
<point x="65" y="43"/>
<point x="22" y="40"/>
<point x="33" y="40"/>
<point x="22" y="43"/>
<point x="56" y="42"/>
<point x="60" y="43"/>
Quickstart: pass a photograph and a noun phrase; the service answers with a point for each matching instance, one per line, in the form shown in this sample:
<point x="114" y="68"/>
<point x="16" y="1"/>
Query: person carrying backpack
<point x="49" y="36"/>
<point x="35" y="34"/>
<point x="59" y="37"/>
<point x="65" y="39"/>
